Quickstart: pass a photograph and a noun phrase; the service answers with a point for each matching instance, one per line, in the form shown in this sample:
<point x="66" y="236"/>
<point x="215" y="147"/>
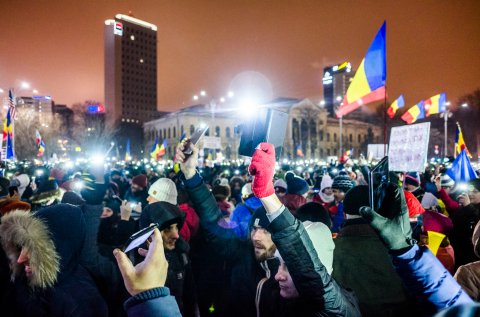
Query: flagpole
<point x="341" y="134"/>
<point x="385" y="122"/>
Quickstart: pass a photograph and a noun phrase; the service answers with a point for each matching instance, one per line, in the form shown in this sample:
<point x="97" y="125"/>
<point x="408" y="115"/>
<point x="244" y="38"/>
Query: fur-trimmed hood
<point x="53" y="237"/>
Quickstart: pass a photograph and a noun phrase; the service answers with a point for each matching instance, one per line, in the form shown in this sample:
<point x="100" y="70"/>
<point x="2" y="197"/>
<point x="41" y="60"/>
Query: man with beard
<point x="253" y="290"/>
<point x="137" y="194"/>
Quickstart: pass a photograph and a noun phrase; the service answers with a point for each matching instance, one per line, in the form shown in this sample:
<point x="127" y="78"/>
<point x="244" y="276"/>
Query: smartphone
<point x="378" y="179"/>
<point x="138" y="238"/>
<point x="117" y="198"/>
<point x="193" y="140"/>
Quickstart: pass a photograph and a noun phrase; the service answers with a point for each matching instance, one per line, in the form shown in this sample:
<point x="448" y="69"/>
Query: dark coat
<point x="361" y="263"/>
<point x="61" y="286"/>
<point x="464" y="221"/>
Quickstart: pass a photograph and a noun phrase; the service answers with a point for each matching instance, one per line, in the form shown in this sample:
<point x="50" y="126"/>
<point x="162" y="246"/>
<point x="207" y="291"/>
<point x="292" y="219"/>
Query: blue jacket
<point x="242" y="215"/>
<point x="428" y="281"/>
<point x="154" y="302"/>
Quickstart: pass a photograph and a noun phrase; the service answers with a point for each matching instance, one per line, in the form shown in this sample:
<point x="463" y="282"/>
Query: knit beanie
<point x="314" y="212"/>
<point x="434" y="221"/>
<point x="23" y="181"/>
<point x="342" y="182"/>
<point x="356" y="198"/>
<point x="164" y="189"/>
<point x="163" y="213"/>
<point x="322" y="241"/>
<point x="259" y="219"/>
<point x="140" y="181"/>
<point x="280" y="183"/>
<point x="295" y="185"/>
<point x="326" y="182"/>
<point x="72" y="198"/>
<point x="446" y="181"/>
<point x="412" y="178"/>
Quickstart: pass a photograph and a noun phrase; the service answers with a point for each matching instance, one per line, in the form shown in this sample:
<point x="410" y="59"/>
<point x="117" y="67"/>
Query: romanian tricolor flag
<point x="155" y="149"/>
<point x="435" y="104"/>
<point x="8" y="135"/>
<point x="41" y="149"/>
<point x="368" y="85"/>
<point x="397" y="104"/>
<point x="414" y="113"/>
<point x="183" y="137"/>
<point x="40" y="144"/>
<point x="163" y="149"/>
<point x="299" y="151"/>
<point x="460" y="142"/>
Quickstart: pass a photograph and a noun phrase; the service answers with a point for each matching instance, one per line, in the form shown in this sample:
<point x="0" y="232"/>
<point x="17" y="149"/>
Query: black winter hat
<point x="259" y="219"/>
<point x="295" y="185"/>
<point x="355" y="198"/>
<point x="163" y="213"/>
<point x="314" y="212"/>
<point x="342" y="182"/>
<point x="72" y="198"/>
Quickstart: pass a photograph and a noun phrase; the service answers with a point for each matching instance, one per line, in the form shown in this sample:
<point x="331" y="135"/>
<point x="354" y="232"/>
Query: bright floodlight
<point x="231" y="94"/>
<point x="465" y="105"/>
<point x="25" y="85"/>
<point x="322" y="103"/>
<point x="203" y="93"/>
<point x="1" y="91"/>
<point x="202" y="125"/>
<point x="97" y="159"/>
<point x="35" y="91"/>
<point x="222" y="99"/>
<point x="195" y="97"/>
<point x="338" y="98"/>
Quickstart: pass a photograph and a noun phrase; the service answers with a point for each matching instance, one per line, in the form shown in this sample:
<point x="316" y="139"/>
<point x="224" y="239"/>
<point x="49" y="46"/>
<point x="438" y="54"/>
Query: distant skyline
<point x="278" y="48"/>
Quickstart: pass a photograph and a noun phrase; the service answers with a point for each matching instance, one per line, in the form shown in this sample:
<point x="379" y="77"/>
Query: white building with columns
<point x="309" y="128"/>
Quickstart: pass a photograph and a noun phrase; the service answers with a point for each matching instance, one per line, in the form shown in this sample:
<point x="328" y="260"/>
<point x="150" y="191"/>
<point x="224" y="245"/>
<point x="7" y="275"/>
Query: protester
<point x="297" y="191"/>
<point x="341" y="184"/>
<point x="44" y="251"/>
<point x="280" y="187"/>
<point x="170" y="220"/>
<point x="468" y="275"/>
<point x="138" y="192"/>
<point x="325" y="195"/>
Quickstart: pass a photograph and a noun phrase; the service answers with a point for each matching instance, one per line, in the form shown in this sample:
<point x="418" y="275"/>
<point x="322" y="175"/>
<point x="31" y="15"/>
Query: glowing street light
<point x="203" y="93"/>
<point x="25" y="85"/>
<point x="231" y="94"/>
<point x="464" y="105"/>
<point x="195" y="97"/>
<point x="35" y="91"/>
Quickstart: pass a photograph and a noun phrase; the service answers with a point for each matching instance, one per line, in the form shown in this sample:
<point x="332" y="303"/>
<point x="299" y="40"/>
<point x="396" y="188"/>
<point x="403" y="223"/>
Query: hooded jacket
<point x="59" y="286"/>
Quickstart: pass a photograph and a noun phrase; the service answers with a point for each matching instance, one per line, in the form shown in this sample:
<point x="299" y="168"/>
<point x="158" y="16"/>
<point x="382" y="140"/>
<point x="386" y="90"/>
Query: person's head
<point x="115" y="176"/>
<point x="314" y="212"/>
<point x="163" y="189"/>
<point x="341" y="184"/>
<point x="169" y="218"/>
<point x="322" y="242"/>
<point x="280" y="187"/>
<point x="355" y="198"/>
<point x="139" y="183"/>
<point x="412" y="181"/>
<point x="221" y="192"/>
<point x="326" y="185"/>
<point x="263" y="245"/>
<point x="474" y="191"/>
<point x="296" y="185"/>
<point x="446" y="183"/>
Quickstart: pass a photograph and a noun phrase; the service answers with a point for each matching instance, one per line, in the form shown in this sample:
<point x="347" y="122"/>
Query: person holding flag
<point x="40" y="144"/>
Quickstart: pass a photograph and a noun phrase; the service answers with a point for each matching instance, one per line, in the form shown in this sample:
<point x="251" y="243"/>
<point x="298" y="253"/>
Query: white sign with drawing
<point x="212" y="142"/>
<point x="408" y="148"/>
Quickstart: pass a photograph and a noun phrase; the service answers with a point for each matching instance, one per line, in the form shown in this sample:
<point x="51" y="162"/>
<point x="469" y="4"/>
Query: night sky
<point x="57" y="46"/>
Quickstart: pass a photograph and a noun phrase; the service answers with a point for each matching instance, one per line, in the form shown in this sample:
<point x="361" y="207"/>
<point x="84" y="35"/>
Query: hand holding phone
<point x="138" y="238"/>
<point x="378" y="181"/>
<point x="187" y="150"/>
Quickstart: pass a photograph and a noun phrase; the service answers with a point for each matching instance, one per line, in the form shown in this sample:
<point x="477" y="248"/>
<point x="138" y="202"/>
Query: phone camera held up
<point x="197" y="135"/>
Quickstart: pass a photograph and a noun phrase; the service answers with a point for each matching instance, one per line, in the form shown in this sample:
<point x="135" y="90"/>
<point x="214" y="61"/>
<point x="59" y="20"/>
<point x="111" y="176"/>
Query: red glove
<point x="262" y="169"/>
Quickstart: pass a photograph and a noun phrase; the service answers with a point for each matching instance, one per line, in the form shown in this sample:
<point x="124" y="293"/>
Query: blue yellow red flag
<point x="128" y="156"/>
<point x="462" y="170"/>
<point x="299" y="150"/>
<point x="435" y="104"/>
<point x="163" y="149"/>
<point x="397" y="104"/>
<point x="41" y="148"/>
<point x="155" y="149"/>
<point x="460" y="142"/>
<point x="368" y="84"/>
<point x="414" y="113"/>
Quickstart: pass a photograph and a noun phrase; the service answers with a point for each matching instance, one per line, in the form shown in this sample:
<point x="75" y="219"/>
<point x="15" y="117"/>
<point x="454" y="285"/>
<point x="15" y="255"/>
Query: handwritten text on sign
<point x="408" y="147"/>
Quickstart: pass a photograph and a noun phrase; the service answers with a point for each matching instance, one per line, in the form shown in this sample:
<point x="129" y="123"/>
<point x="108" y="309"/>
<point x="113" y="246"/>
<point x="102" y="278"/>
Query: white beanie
<point x="322" y="242"/>
<point x="23" y="182"/>
<point x="321" y="237"/>
<point x="164" y="189"/>
<point x="429" y="201"/>
<point x="280" y="183"/>
<point x="327" y="182"/>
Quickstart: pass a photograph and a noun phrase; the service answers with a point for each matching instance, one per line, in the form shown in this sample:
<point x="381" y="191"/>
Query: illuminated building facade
<point x="336" y="80"/>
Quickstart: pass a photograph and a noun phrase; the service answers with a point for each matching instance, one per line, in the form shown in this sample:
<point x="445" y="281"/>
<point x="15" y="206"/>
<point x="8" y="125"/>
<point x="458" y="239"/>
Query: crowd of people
<point x="260" y="239"/>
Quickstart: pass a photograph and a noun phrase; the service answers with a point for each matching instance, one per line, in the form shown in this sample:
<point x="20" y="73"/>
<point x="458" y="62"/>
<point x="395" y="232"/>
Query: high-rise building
<point x="130" y="70"/>
<point x="336" y="80"/>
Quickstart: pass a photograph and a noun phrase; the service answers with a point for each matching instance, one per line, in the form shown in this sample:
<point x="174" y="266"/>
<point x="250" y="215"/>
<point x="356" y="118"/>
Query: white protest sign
<point x="212" y="142"/>
<point x="376" y="151"/>
<point x="408" y="147"/>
